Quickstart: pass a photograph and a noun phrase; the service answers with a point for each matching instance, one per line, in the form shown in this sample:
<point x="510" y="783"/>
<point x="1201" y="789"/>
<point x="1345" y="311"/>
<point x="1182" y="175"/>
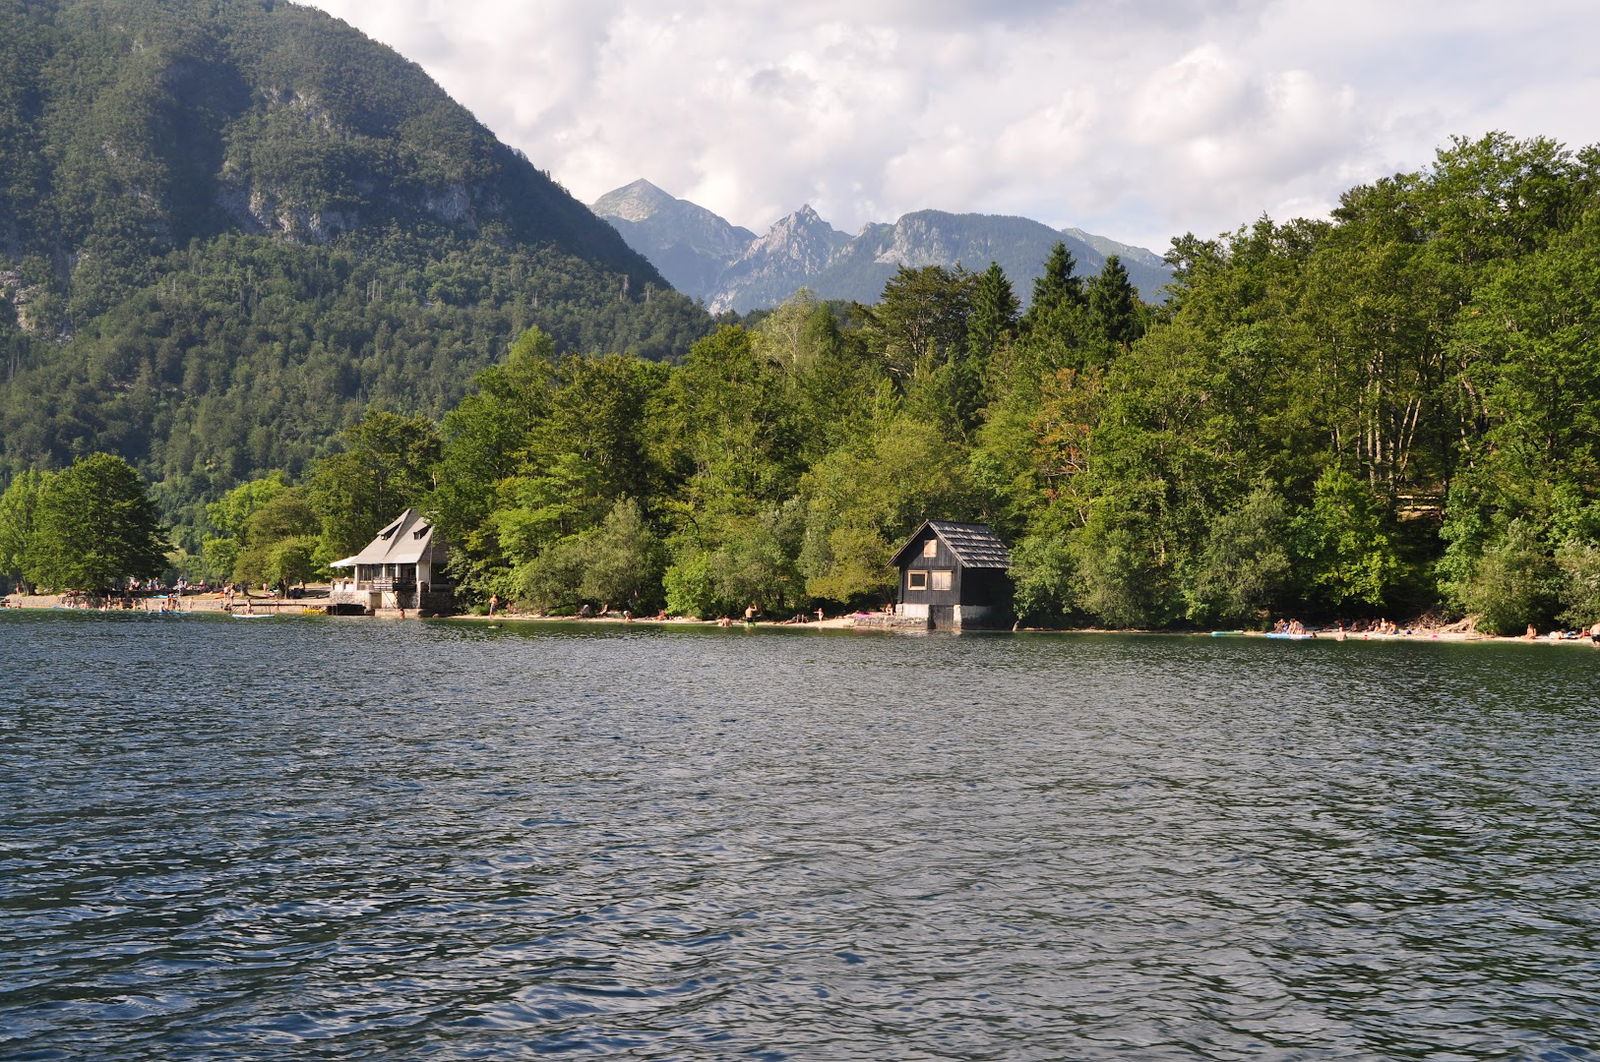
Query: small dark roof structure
<point x="974" y="545"/>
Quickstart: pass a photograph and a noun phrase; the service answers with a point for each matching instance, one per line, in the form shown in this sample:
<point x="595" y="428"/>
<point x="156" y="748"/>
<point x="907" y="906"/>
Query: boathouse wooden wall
<point x="976" y="598"/>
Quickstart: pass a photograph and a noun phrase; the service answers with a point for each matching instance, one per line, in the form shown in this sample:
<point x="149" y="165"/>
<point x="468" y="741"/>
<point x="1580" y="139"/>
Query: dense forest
<point x="227" y="228"/>
<point x="1390" y="412"/>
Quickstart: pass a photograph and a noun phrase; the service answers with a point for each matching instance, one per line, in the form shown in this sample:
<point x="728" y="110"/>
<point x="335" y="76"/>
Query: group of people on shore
<point x="1340" y="628"/>
<point x="1558" y="635"/>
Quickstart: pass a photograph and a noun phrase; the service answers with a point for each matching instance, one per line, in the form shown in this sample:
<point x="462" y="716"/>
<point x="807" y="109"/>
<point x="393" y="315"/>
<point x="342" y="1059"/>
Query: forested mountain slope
<point x="226" y="227"/>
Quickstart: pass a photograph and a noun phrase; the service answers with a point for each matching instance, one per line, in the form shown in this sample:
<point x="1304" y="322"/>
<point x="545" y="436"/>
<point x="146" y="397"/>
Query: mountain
<point x="772" y="268"/>
<point x="227" y="226"/>
<point x="933" y="237"/>
<point x="689" y="244"/>
<point x="737" y="271"/>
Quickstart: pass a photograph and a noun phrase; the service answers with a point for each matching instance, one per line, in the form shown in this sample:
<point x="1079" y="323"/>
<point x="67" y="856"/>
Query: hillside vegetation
<point x="228" y="227"/>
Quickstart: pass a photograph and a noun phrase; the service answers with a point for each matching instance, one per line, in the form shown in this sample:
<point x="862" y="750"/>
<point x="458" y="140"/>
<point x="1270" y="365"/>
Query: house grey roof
<point x="407" y="540"/>
<point x="975" y="545"/>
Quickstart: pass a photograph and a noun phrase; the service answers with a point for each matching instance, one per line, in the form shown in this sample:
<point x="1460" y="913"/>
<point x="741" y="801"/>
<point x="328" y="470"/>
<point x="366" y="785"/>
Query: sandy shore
<point x="187" y="603"/>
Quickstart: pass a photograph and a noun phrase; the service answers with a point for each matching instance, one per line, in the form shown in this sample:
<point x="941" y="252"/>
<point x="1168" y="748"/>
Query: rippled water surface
<point x="309" y="838"/>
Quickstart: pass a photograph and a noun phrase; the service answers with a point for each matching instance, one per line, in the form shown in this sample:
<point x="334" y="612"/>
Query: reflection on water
<point x="307" y="838"/>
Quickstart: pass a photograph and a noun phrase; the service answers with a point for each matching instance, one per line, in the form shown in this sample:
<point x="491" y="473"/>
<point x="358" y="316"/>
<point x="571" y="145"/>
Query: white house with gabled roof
<point x="402" y="568"/>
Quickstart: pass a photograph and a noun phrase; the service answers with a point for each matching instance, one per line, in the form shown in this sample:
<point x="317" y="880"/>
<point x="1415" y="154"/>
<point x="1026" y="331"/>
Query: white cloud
<point x="1136" y="120"/>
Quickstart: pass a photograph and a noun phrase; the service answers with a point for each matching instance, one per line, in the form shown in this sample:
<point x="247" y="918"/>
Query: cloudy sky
<point x="1134" y="119"/>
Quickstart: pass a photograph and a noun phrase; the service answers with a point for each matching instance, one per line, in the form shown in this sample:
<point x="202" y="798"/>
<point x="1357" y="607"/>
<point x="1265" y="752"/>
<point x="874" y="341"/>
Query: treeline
<point x="1391" y="412"/>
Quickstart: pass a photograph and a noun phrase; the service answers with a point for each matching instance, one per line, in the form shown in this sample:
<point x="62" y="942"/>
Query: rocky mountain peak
<point x="638" y="201"/>
<point x="802" y="237"/>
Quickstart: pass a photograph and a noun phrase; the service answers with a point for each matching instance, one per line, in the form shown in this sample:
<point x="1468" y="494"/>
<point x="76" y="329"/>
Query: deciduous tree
<point x="94" y="525"/>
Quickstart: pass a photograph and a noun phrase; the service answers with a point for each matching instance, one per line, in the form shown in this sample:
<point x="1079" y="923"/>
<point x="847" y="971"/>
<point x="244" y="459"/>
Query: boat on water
<point x="1226" y="634"/>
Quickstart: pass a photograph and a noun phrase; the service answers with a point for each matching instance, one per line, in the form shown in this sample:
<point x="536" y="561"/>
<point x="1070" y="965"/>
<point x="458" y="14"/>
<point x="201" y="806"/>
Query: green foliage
<point x="219" y="557"/>
<point x="287" y="561"/>
<point x="864" y="499"/>
<point x="18" y="508"/>
<point x="921" y="322"/>
<point x="1579" y="590"/>
<point x="1114" y="305"/>
<point x="751" y="562"/>
<point x="94" y="525"/>
<point x="1124" y="573"/>
<point x="1516" y="583"/>
<point x="1347" y="537"/>
<point x="623" y="561"/>
<point x="732" y="418"/>
<point x="994" y="315"/>
<point x="689" y="584"/>
<point x="1057" y="289"/>
<point x="279" y="541"/>
<point x="232" y="512"/>
<point x="226" y="229"/>
<point x="329" y="269"/>
<point x="1244" y="569"/>
<point x="617" y="564"/>
<point x="1043" y="571"/>
<point x="385" y="468"/>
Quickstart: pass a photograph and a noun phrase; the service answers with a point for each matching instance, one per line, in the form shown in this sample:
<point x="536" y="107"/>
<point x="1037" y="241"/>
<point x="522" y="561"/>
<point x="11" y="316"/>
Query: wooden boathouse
<point x="955" y="577"/>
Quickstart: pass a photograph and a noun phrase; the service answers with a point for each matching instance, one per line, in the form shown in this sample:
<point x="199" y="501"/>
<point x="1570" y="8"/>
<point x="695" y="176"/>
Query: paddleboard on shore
<point x="1225" y="634"/>
<point x="1290" y="637"/>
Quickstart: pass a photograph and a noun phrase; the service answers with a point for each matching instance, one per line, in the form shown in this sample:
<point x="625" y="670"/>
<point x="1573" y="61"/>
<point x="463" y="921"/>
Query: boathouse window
<point x="930" y="548"/>
<point x="941" y="579"/>
<point x="916" y="580"/>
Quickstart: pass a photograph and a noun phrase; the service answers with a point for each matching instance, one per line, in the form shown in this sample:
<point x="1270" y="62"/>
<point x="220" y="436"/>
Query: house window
<point x="916" y="580"/>
<point x="941" y="579"/>
<point x="930" y="548"/>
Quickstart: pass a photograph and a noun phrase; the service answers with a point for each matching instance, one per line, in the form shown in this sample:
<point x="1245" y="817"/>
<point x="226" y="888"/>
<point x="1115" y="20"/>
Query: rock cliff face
<point x="732" y="269"/>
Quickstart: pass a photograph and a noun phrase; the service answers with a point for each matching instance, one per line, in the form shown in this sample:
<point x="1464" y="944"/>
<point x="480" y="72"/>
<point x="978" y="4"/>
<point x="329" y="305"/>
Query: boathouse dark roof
<point x="974" y="545"/>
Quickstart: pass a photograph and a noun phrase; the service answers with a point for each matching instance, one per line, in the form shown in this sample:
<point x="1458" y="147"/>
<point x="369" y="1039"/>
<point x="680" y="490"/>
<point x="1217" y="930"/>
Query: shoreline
<point x="212" y="603"/>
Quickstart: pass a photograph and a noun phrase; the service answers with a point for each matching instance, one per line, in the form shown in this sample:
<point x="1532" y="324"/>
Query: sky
<point x="1140" y="120"/>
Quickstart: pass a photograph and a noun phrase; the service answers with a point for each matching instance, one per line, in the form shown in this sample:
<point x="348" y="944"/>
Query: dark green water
<point x="318" y="839"/>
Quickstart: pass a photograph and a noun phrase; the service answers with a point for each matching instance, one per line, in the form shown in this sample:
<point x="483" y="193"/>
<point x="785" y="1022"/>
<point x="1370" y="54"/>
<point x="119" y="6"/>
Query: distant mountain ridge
<point x="731" y="268"/>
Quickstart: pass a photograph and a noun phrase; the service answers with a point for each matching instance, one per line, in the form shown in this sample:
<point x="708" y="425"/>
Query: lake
<point x="319" y="838"/>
